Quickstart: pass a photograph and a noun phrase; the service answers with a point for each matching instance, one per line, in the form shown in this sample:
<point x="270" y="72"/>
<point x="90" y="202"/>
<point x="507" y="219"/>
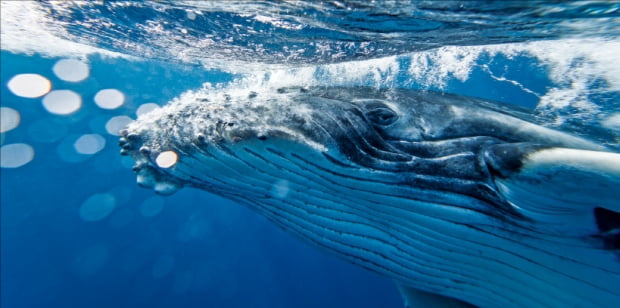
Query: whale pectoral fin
<point x="574" y="191"/>
<point x="414" y="298"/>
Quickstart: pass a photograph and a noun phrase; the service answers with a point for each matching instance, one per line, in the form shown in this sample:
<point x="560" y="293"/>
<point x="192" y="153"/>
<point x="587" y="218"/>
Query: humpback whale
<point x="462" y="202"/>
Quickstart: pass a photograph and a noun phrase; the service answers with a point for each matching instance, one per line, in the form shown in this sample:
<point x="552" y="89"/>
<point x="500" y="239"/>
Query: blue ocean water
<point x="76" y="230"/>
<point x="198" y="250"/>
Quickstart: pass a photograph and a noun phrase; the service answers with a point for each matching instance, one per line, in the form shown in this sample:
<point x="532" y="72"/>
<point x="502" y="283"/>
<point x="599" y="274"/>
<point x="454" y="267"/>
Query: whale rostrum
<point x="458" y="200"/>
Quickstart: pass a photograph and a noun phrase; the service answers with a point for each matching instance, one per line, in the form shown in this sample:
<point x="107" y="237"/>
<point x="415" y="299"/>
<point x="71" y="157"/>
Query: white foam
<point x="612" y="122"/>
<point x="434" y="68"/>
<point x="25" y="28"/>
<point x="575" y="66"/>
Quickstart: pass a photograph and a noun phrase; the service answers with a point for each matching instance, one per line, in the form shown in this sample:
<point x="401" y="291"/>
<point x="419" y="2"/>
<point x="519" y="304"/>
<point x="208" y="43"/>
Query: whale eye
<point x="381" y="114"/>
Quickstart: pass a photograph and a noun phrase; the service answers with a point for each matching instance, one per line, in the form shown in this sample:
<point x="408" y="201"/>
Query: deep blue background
<point x="224" y="255"/>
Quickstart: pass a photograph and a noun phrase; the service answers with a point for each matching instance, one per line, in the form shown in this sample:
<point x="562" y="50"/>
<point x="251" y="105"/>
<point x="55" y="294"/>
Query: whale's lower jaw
<point x="435" y="241"/>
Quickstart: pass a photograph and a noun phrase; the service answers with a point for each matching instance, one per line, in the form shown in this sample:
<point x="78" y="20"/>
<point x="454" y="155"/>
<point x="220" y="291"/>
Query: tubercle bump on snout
<point x="148" y="174"/>
<point x="128" y="141"/>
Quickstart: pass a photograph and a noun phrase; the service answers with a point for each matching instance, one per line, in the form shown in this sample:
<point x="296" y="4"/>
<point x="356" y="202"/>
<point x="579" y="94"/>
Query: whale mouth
<point x="148" y="168"/>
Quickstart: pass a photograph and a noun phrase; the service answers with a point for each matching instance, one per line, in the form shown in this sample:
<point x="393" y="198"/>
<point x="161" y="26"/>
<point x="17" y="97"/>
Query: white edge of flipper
<point x="562" y="186"/>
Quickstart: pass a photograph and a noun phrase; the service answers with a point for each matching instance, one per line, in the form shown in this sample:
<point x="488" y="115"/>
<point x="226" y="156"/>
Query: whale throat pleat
<point x="380" y="224"/>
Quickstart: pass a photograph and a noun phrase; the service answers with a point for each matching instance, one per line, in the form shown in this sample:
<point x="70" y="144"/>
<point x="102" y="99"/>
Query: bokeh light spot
<point x="62" y="102"/>
<point x="166" y="159"/>
<point x="122" y="193"/>
<point x="163" y="266"/>
<point x="196" y="226"/>
<point x="9" y="119"/>
<point x="182" y="282"/>
<point x="15" y="155"/>
<point x="116" y="124"/>
<point x="152" y="206"/>
<point x="66" y="150"/>
<point x="109" y="98"/>
<point x="29" y="85"/>
<point x="121" y="218"/>
<point x="89" y="144"/>
<point x="47" y="130"/>
<point x="90" y="260"/>
<point x="280" y="189"/>
<point x="71" y="70"/>
<point x="97" y="207"/>
<point x="146" y="108"/>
